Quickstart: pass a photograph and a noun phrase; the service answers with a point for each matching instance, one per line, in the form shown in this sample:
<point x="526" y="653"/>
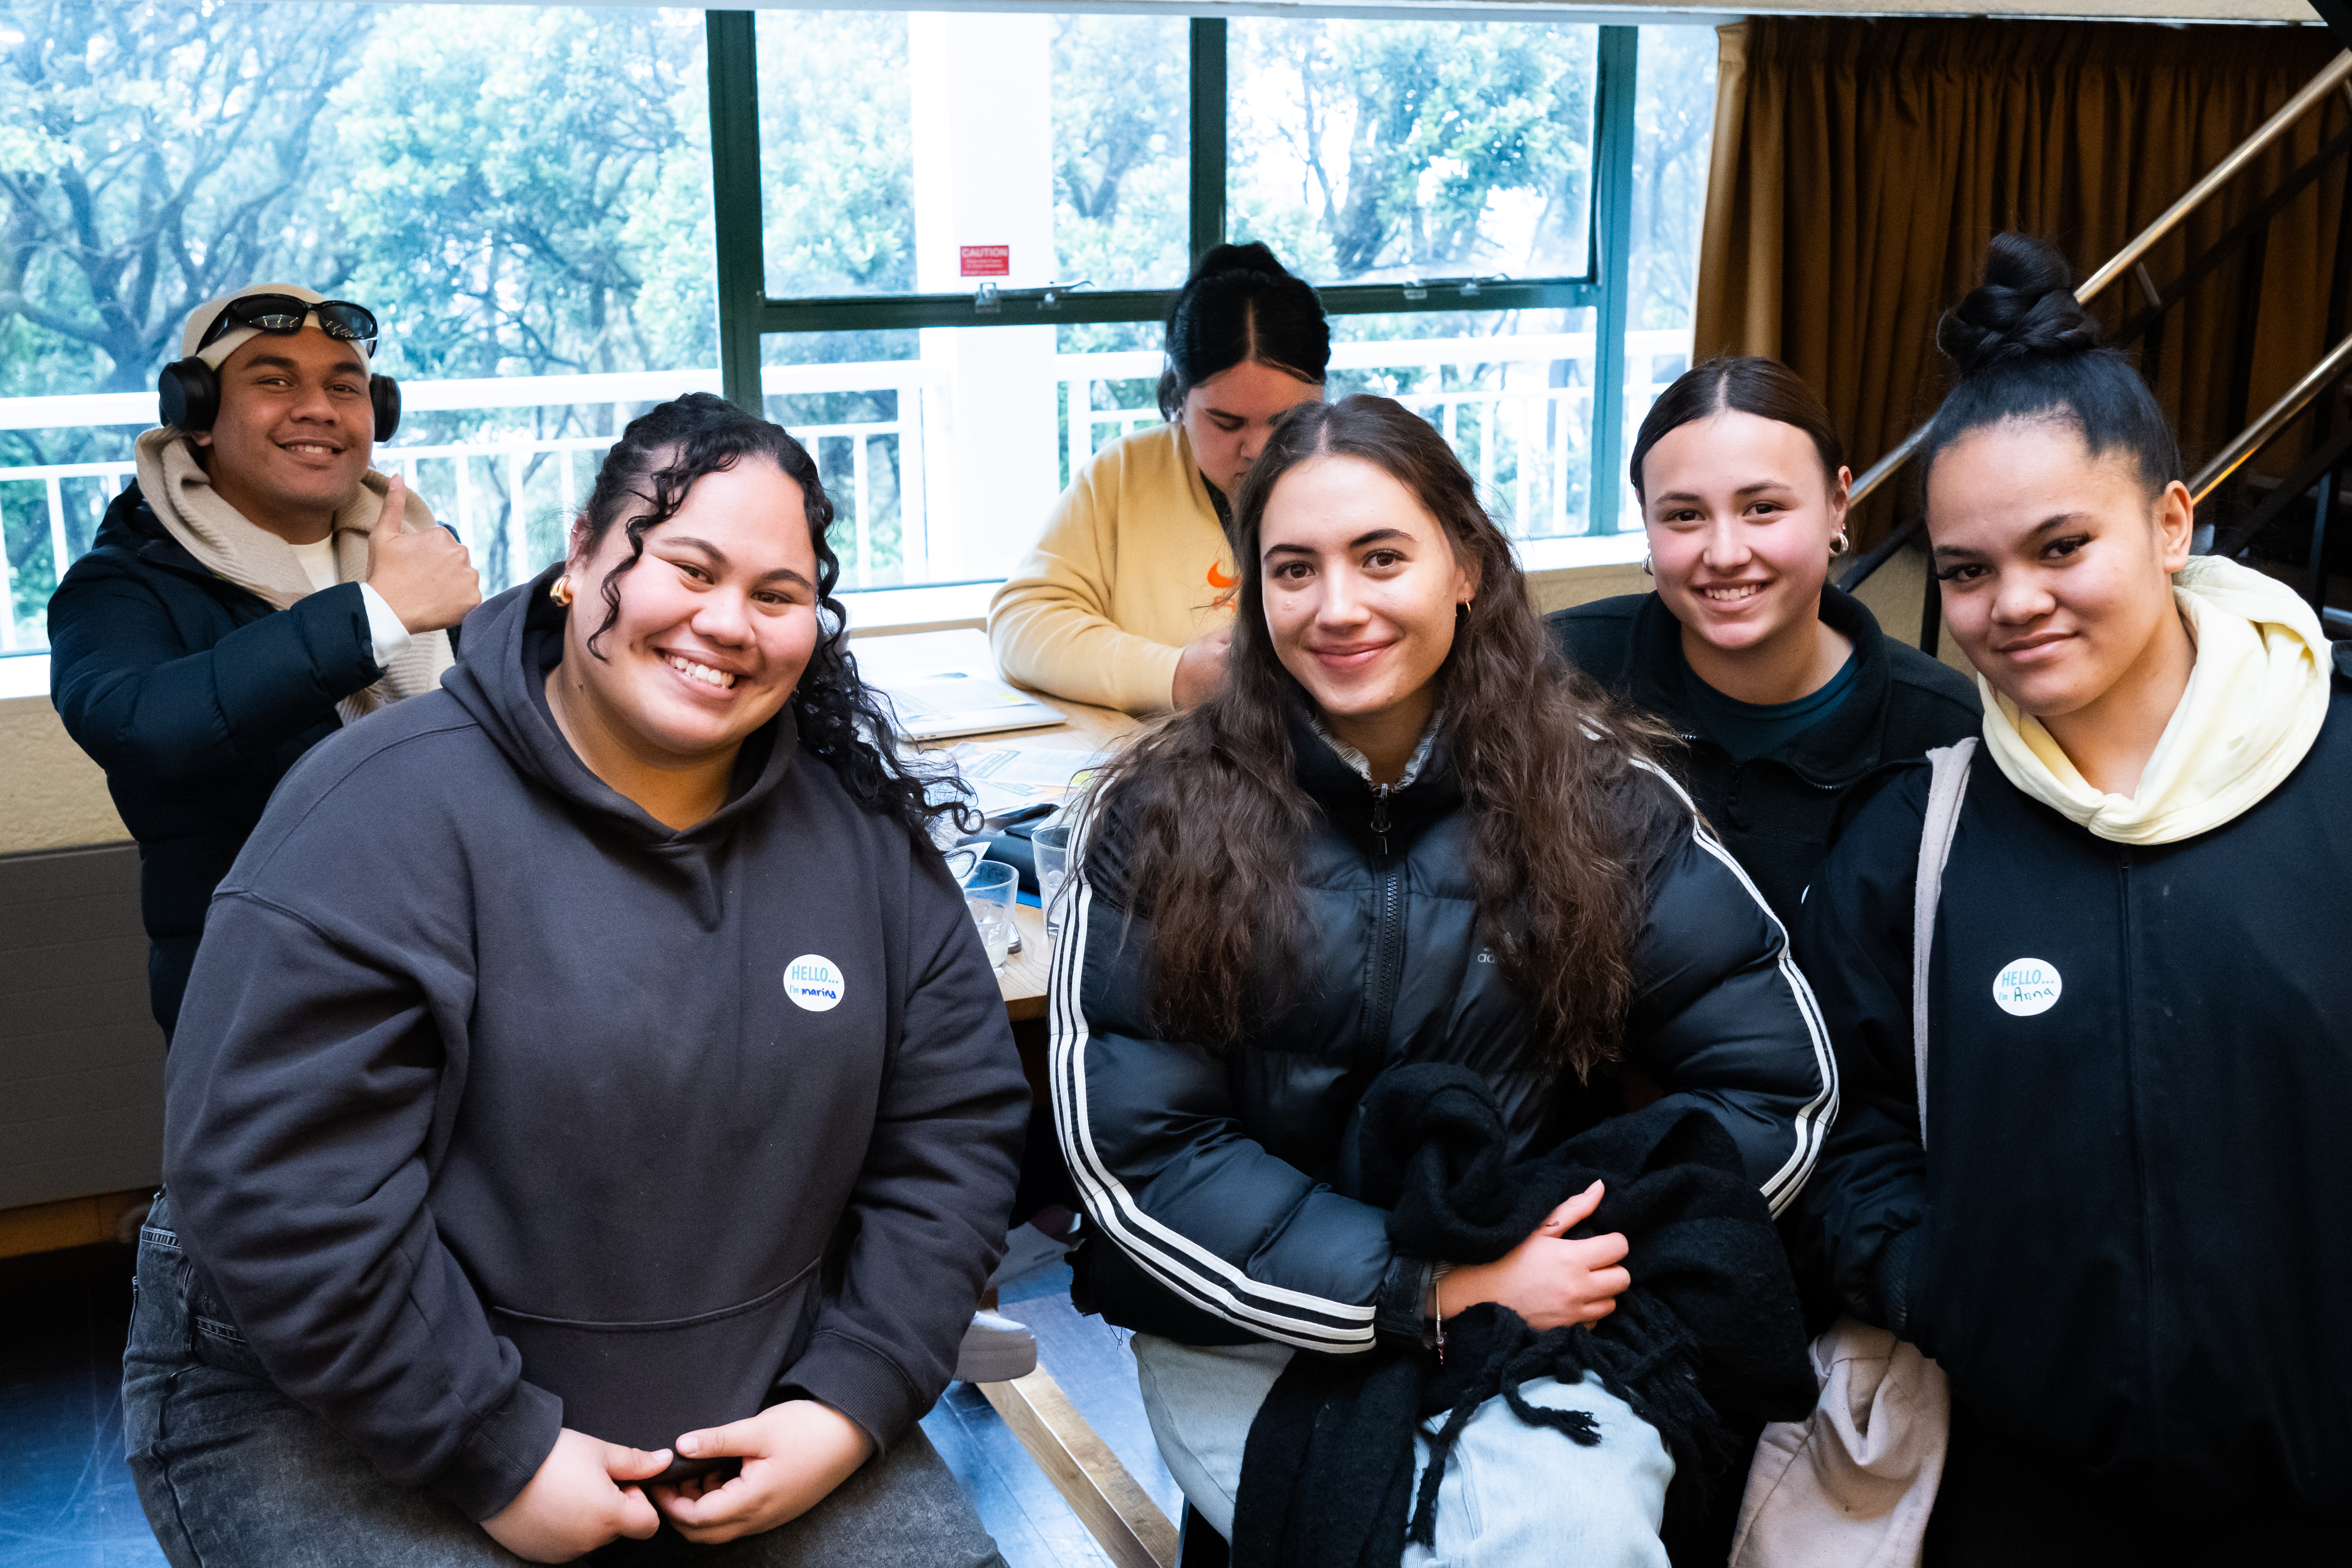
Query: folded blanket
<point x="1706" y="1344"/>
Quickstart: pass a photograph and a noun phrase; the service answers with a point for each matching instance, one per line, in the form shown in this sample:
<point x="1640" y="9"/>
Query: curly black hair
<point x="643" y="483"/>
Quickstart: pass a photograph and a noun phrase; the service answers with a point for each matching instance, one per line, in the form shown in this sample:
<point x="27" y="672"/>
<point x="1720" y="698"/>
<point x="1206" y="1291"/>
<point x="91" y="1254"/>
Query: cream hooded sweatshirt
<point x="1133" y="565"/>
<point x="2255" y="703"/>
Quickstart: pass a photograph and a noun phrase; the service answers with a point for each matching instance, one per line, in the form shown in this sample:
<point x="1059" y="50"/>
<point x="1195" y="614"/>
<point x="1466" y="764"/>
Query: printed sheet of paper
<point x="1007" y="778"/>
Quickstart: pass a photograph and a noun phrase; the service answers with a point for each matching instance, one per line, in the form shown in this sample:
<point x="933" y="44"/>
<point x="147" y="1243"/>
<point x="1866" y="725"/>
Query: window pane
<point x="934" y="153"/>
<point x="836" y="155"/>
<point x="1366" y="151"/>
<point x="1511" y="392"/>
<point x="516" y="192"/>
<point x="1673" y="137"/>
<point x="1122" y="150"/>
<point x="943" y="449"/>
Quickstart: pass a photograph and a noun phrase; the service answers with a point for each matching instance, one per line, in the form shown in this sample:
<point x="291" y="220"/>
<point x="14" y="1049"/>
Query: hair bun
<point x="1251" y="257"/>
<point x="2025" y="307"/>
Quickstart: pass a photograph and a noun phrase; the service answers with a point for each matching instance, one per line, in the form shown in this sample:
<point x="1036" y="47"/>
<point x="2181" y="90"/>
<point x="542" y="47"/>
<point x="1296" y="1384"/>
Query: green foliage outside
<point x="525" y="191"/>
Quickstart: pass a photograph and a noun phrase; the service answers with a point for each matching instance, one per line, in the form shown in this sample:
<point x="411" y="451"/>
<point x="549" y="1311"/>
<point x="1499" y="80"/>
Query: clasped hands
<point x="589" y="1492"/>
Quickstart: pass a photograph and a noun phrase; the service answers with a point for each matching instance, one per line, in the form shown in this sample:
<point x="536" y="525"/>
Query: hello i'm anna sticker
<point x="813" y="983"/>
<point x="2026" y="986"/>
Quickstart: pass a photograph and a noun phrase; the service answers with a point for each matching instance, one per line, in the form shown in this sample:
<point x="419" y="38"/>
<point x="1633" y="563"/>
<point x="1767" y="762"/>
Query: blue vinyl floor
<point x="66" y="1498"/>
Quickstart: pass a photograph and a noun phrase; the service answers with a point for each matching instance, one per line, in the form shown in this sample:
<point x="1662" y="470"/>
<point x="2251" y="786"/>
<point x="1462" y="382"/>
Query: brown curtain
<point x="1860" y="167"/>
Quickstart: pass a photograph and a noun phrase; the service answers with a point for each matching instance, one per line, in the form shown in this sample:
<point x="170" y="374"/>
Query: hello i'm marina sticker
<point x="813" y="983"/>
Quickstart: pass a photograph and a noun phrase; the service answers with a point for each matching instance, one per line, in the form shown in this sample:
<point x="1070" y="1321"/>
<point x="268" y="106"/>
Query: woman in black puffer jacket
<point x="1403" y="834"/>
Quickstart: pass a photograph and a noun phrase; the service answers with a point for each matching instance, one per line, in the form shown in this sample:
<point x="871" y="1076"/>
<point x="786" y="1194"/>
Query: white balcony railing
<point x="1517" y="408"/>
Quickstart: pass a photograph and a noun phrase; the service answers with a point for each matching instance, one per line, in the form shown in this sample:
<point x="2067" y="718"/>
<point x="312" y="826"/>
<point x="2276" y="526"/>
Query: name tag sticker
<point x="813" y="983"/>
<point x="2026" y="986"/>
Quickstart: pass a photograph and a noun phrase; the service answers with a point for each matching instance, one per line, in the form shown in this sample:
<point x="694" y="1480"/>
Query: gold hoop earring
<point x="1840" y="543"/>
<point x="560" y="589"/>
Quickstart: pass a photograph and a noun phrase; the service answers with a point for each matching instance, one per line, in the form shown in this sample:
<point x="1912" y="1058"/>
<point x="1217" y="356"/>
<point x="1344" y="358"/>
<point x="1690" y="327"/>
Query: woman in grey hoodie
<point x="593" y="1114"/>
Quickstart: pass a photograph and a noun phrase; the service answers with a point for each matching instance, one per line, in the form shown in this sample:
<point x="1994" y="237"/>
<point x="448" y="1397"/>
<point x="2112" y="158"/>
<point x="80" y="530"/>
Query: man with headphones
<point x="256" y="586"/>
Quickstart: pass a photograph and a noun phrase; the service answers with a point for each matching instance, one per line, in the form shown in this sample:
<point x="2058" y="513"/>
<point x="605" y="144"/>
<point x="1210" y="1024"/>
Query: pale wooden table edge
<point x="1115" y="1509"/>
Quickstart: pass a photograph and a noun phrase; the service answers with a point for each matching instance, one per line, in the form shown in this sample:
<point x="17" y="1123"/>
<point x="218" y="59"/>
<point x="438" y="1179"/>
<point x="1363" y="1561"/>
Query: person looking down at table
<point x="243" y="597"/>
<point x="1403" y="834"/>
<point x="1787" y="695"/>
<point x="594" y="1112"/>
<point x="1127" y="600"/>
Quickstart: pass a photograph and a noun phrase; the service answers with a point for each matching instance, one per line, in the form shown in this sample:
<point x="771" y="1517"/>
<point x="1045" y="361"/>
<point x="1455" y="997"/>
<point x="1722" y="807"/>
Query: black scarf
<point x="1706" y="1346"/>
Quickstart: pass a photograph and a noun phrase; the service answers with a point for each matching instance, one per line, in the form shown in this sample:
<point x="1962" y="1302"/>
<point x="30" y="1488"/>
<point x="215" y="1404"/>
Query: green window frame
<point x="747" y="314"/>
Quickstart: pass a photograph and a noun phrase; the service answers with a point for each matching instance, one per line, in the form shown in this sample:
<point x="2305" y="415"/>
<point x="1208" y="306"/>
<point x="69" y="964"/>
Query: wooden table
<point x="1083" y="728"/>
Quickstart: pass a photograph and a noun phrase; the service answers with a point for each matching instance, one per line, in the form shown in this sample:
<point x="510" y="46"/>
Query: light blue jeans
<point x="1512" y="1494"/>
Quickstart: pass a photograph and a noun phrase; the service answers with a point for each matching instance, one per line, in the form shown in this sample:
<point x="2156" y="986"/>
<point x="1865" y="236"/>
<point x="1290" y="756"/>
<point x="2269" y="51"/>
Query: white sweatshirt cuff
<point x="386" y="635"/>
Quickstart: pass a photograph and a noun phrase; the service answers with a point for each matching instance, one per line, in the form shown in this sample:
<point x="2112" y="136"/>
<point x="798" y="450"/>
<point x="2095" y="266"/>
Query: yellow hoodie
<point x="1133" y="565"/>
<point x="2255" y="704"/>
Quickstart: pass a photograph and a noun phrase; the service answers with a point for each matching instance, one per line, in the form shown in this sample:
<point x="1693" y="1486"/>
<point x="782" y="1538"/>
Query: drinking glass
<point x="1052" y="847"/>
<point x="989" y="890"/>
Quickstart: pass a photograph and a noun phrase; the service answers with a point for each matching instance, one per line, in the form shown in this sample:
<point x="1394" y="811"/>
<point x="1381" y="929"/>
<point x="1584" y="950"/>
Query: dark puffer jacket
<point x="2123" y="1237"/>
<point x="195" y="697"/>
<point x="1777" y="813"/>
<point x="1226" y="1184"/>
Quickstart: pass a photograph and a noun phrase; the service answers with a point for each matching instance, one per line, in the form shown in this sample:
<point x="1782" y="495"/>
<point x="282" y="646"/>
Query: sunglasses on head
<point x="283" y="315"/>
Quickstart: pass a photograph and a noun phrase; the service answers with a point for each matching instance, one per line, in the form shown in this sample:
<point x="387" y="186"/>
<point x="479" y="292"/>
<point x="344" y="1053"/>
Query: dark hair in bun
<point x="2026" y="348"/>
<point x="1239" y="304"/>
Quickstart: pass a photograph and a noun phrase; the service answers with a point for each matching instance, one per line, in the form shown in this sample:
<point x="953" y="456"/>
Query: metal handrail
<point x="2338" y="71"/>
<point x="2263" y="431"/>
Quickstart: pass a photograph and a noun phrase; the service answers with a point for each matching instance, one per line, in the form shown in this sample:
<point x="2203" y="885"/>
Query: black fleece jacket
<point x="1779" y="812"/>
<point x="2125" y="1239"/>
<point x="195" y="697"/>
<point x="498" y="1106"/>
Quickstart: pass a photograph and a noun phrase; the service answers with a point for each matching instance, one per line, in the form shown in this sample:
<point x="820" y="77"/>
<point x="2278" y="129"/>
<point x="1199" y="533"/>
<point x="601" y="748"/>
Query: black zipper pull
<point x="1380" y="815"/>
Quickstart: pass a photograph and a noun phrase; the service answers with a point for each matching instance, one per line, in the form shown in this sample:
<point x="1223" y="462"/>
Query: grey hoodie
<point x="496" y="1106"/>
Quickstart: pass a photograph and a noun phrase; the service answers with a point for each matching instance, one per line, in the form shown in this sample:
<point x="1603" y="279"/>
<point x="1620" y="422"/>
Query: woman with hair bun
<point x="593" y="1115"/>
<point x="1126" y="599"/>
<point x="2122" y="1238"/>
<point x="1787" y="695"/>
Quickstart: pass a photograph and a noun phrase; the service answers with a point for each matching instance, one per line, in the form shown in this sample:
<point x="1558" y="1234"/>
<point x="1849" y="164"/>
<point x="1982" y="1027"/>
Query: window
<point x="937" y="245"/>
<point x="1387" y="150"/>
<point x="522" y="196"/>
<point x="991" y="261"/>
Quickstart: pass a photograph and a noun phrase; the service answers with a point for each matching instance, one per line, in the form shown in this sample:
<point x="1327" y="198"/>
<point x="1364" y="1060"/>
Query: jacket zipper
<point x="2138" y="1147"/>
<point x="1387" y="930"/>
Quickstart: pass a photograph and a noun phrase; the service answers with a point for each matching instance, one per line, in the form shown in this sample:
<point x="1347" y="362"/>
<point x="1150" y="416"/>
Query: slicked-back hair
<point x="1241" y="304"/>
<point x="1748" y="383"/>
<point x="1209" y="820"/>
<point x="643" y="483"/>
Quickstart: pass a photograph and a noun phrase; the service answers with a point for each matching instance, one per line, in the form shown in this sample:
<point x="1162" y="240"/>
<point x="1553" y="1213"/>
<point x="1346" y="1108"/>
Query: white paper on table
<point x="1008" y="778"/>
<point x="944" y="683"/>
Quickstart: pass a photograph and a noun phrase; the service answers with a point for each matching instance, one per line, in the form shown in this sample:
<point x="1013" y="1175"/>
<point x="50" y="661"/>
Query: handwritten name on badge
<point x="2026" y="986"/>
<point x="813" y="983"/>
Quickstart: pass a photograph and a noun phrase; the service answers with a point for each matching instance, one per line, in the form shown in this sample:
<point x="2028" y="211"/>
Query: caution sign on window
<point x="986" y="260"/>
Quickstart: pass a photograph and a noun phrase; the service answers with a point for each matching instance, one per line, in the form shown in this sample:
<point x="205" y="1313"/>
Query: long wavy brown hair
<point x="1204" y="820"/>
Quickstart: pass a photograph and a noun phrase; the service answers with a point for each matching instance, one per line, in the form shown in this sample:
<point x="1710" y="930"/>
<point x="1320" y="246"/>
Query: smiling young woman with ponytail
<point x="2126" y="1247"/>
<point x="1789" y="697"/>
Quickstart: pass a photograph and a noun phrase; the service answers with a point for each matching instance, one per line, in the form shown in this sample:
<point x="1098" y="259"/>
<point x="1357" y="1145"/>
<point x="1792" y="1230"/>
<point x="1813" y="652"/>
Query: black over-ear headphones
<point x="188" y="396"/>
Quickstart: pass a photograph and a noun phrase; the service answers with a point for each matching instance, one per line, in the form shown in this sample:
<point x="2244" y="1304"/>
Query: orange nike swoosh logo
<point x="1219" y="579"/>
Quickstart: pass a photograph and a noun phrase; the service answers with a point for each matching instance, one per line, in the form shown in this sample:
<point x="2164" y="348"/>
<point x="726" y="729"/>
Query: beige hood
<point x="228" y="546"/>
<point x="2255" y="701"/>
